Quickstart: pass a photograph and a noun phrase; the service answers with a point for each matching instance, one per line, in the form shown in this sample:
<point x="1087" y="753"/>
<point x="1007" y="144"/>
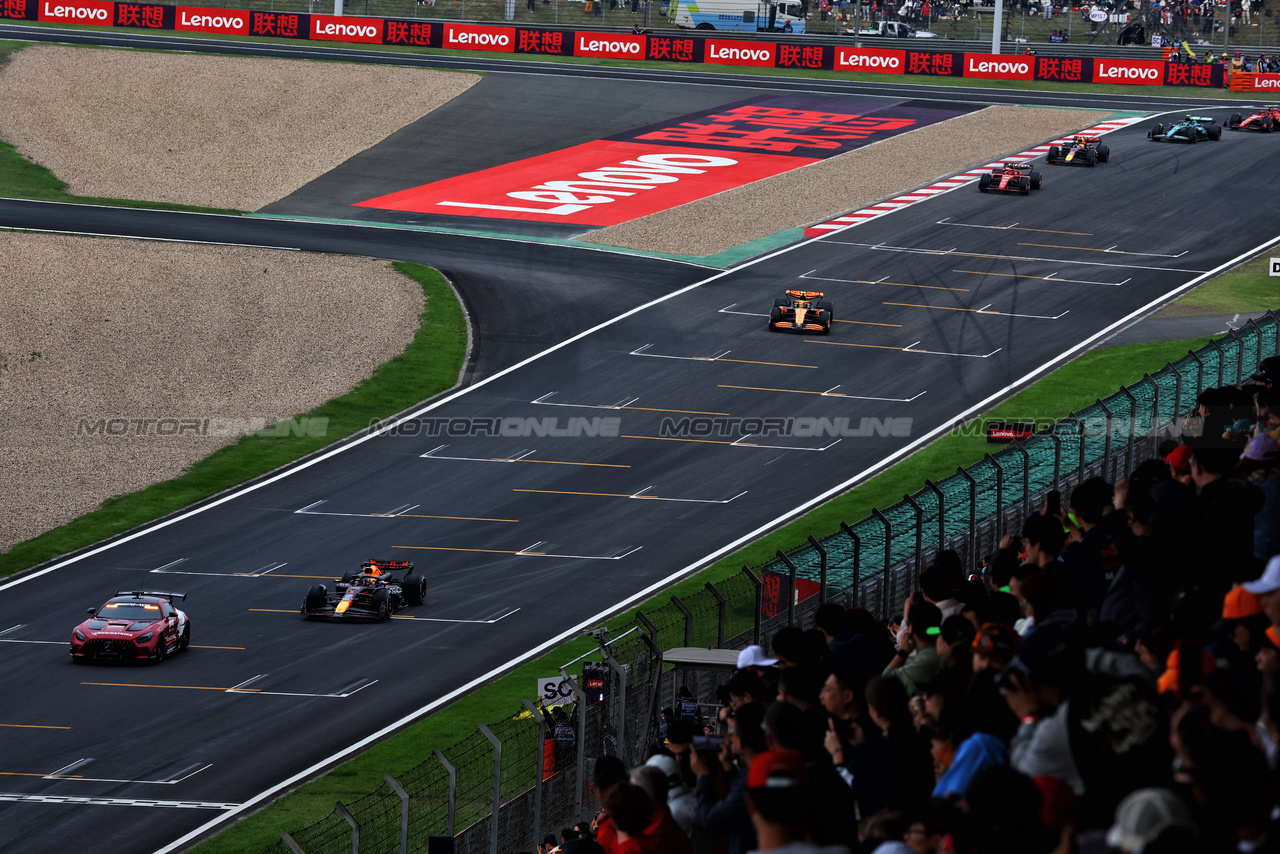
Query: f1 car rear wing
<point x="806" y="294"/>
<point x="381" y="566"/>
<point x="1200" y="118"/>
<point x="1021" y="167"/>
<point x="138" y="594"/>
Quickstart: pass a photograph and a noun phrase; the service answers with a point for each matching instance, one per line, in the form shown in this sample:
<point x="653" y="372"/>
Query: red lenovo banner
<point x="99" y="13"/>
<point x="20" y="10"/>
<point x="934" y="63"/>
<point x="609" y="46"/>
<point x="674" y="49"/>
<point x="1194" y="74"/>
<point x="867" y="59"/>
<point x="597" y="183"/>
<point x="774" y="592"/>
<point x="333" y="29"/>
<point x="995" y="66"/>
<point x="1132" y="71"/>
<point x="546" y="42"/>
<point x="467" y="37"/>
<point x="230" y="21"/>
<point x="145" y="16"/>
<point x="1266" y="82"/>
<point x="285" y="25"/>
<point x="811" y="57"/>
<point x="1064" y="70"/>
<point x="414" y="33"/>
<point x="738" y="53"/>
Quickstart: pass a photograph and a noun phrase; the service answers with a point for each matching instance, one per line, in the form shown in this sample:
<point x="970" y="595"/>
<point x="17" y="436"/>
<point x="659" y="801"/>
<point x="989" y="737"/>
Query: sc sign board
<point x="555" y="691"/>
<point x="1275" y="266"/>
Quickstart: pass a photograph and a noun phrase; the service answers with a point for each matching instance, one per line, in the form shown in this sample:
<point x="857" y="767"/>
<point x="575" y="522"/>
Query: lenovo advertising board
<point x="869" y="59"/>
<point x="721" y="52"/>
<point x="998" y="66"/>
<point x="99" y="13"/>
<point x="1141" y="72"/>
<point x="234" y="22"/>
<point x="334" y="29"/>
<point x="467" y="37"/>
<point x="609" y="46"/>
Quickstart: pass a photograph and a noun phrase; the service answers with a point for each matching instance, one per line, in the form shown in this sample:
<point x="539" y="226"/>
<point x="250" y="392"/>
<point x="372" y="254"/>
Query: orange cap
<point x="1240" y="603"/>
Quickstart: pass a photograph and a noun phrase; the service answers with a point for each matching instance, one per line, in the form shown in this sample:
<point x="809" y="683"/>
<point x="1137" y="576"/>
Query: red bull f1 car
<point x="133" y="625"/>
<point x="376" y="592"/>
<point x="1010" y="178"/>
<point x="802" y="311"/>
<point x="1080" y="151"/>
<point x="1266" y="120"/>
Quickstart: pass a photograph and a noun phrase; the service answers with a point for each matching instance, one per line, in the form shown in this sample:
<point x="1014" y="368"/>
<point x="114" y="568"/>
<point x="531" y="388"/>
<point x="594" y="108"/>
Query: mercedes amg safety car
<point x="801" y="311"/>
<point x="1010" y="178"/>
<point x="1189" y="129"/>
<point x="1080" y="151"/>
<point x="1266" y="120"/>
<point x="376" y="592"/>
<point x="133" y="625"/>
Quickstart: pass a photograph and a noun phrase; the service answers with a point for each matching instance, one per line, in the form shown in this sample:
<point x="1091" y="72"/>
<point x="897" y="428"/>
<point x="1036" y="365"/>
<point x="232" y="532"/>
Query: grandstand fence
<point x="514" y="769"/>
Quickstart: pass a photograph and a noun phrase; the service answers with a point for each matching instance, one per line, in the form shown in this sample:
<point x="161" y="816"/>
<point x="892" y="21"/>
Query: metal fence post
<point x="822" y="570"/>
<point x="1177" y="390"/>
<point x="1199" y="372"/>
<point x="791" y="589"/>
<point x="1239" y="355"/>
<point x="746" y="570"/>
<point x="1106" y="447"/>
<point x="537" y="784"/>
<point x="973" y="515"/>
<point x="1083" y="431"/>
<point x="1057" y="456"/>
<point x="688" y="620"/>
<point x="355" y="826"/>
<point x="620" y="725"/>
<point x="1026" y="477"/>
<point x="942" y="513"/>
<point x="722" y="616"/>
<point x="1155" y="399"/>
<point x="857" y="561"/>
<point x="919" y="532"/>
<point x="293" y="846"/>
<point x="580" y="763"/>
<point x="888" y="542"/>
<point x="497" y="786"/>
<point x="453" y="790"/>
<point x="1133" y="415"/>
<point x="999" y="495"/>
<point x="404" y="809"/>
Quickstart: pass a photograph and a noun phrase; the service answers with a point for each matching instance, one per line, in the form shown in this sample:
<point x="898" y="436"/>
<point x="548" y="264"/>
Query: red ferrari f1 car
<point x="1266" y="120"/>
<point x="133" y="625"/>
<point x="1010" y="178"/>
<point x="376" y="592"/>
<point x="801" y="311"/>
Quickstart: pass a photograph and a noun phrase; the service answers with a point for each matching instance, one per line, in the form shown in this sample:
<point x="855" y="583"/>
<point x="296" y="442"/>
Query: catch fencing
<point x="516" y="769"/>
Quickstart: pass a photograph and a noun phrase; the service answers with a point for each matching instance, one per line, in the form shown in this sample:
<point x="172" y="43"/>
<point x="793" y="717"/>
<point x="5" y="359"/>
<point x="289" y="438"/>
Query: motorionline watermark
<point x="1090" y="426"/>
<point x="802" y="427"/>
<point x="508" y="427"/>
<point x="315" y="427"/>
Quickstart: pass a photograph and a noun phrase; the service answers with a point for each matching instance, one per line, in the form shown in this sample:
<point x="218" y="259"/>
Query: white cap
<point x="753" y="656"/>
<point x="1143" y="816"/>
<point x="666" y="764"/>
<point x="1268" y="583"/>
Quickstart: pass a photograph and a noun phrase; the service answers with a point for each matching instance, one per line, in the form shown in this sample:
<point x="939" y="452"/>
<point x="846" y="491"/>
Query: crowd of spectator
<point x="1105" y="681"/>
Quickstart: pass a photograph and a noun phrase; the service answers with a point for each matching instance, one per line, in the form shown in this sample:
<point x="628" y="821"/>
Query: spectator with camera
<point x="916" y="658"/>
<point x="724" y="813"/>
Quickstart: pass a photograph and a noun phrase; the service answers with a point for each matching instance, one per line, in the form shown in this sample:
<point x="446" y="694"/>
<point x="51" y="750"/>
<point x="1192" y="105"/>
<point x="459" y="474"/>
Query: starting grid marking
<point x="954" y="182"/>
<point x="16" y="797"/>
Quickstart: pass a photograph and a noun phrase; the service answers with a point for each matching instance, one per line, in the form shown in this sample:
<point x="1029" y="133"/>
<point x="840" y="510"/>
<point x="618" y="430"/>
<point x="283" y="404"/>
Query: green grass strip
<point x="429" y="365"/>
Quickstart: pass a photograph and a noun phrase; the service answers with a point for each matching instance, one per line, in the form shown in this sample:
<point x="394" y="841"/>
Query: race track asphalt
<point x="944" y="306"/>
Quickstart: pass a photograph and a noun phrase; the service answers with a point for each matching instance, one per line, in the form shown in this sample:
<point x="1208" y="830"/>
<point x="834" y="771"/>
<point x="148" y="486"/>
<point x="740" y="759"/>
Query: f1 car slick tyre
<point x="1036" y="180"/>
<point x="1090" y="157"/>
<point x="826" y="306"/>
<point x="315" y="599"/>
<point x="382" y="604"/>
<point x="1235" y="120"/>
<point x="348" y="577"/>
<point x="1194" y="137"/>
<point x="1104" y="153"/>
<point x="1156" y="131"/>
<point x="984" y="182"/>
<point x="774" y="316"/>
<point x="1054" y="153"/>
<point x="1268" y="125"/>
<point x="1024" y="185"/>
<point x="415" y="589"/>
<point x="1215" y="132"/>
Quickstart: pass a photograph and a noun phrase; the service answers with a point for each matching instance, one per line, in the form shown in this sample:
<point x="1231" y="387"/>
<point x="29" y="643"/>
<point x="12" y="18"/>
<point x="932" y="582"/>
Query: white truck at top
<point x="740" y="16"/>
<point x="892" y="29"/>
